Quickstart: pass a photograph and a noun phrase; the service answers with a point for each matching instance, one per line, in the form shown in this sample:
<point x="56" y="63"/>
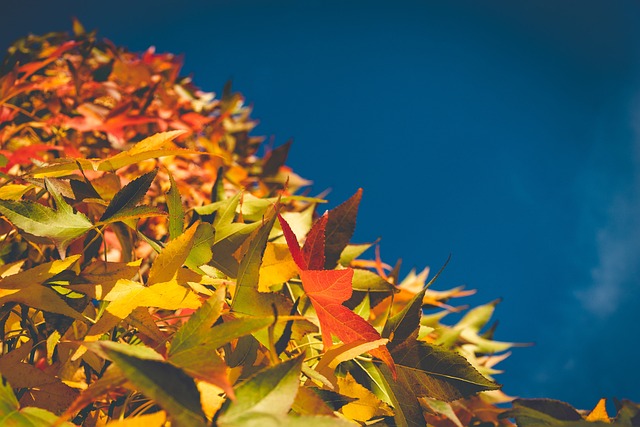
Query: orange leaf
<point x="292" y="242"/>
<point x="327" y="290"/>
<point x="313" y="249"/>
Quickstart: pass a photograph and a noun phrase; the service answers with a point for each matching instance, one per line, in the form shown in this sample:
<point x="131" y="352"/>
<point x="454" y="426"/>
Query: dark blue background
<point x="504" y="133"/>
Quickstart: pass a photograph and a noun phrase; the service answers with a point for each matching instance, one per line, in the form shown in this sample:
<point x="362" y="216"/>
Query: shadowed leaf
<point x="340" y="227"/>
<point x="130" y="195"/>
<point x="169" y="386"/>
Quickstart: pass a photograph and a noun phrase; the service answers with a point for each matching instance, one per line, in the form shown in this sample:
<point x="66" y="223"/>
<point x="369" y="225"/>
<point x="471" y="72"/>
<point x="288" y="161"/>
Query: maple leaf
<point x="61" y="226"/>
<point x="327" y="290"/>
<point x="28" y="287"/>
<point x="24" y="155"/>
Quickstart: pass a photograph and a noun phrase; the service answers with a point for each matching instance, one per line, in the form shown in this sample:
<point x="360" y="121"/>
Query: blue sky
<point x="504" y="133"/>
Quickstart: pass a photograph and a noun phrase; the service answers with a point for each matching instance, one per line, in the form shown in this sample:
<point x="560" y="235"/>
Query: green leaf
<point x="196" y="350"/>
<point x="133" y="213"/>
<point x="168" y="385"/>
<point x="176" y="211"/>
<point x="226" y="211"/>
<point x="476" y="318"/>
<point x="11" y="415"/>
<point x="432" y="371"/>
<point x="228" y="238"/>
<point x="378" y="379"/>
<point x="340" y="228"/>
<point x="229" y="331"/>
<point x="271" y="392"/>
<point x="548" y="412"/>
<point x="196" y="329"/>
<point x="351" y="252"/>
<point x="201" y="253"/>
<point x="130" y="195"/>
<point x="166" y="265"/>
<point x="249" y="270"/>
<point x="405" y="325"/>
<point x="367" y="281"/>
<point x="61" y="226"/>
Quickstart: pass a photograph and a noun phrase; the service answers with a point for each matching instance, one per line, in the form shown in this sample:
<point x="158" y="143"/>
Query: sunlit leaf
<point x="599" y="413"/>
<point x="366" y="406"/>
<point x="270" y="392"/>
<point x="176" y="210"/>
<point x="28" y="287"/>
<point x="277" y="266"/>
<point x="61" y="226"/>
<point x="172" y="258"/>
<point x="151" y="420"/>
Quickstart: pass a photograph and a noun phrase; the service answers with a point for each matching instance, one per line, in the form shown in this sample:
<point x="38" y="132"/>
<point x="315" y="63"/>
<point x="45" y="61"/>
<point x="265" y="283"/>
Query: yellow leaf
<point x="170" y="260"/>
<point x="155" y="146"/>
<point x="336" y="355"/>
<point x="367" y="406"/>
<point x="277" y="266"/>
<point x="599" y="413"/>
<point x="211" y="398"/>
<point x="11" y="269"/>
<point x="151" y="420"/>
<point x="101" y="277"/>
<point x="128" y="295"/>
<point x="27" y="288"/>
<point x="14" y="191"/>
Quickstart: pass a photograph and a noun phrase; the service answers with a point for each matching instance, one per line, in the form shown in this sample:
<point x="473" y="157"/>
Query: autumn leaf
<point x="155" y="146"/>
<point x="172" y="258"/>
<point x="340" y="227"/>
<point x="599" y="413"/>
<point x="176" y="211"/>
<point x="188" y="348"/>
<point x="431" y="371"/>
<point x="277" y="266"/>
<point x="130" y="195"/>
<point x="168" y="385"/>
<point x="12" y="415"/>
<point x="327" y="290"/>
<point x="156" y="419"/>
<point x="29" y="287"/>
<point x="543" y="412"/>
<point x="314" y="245"/>
<point x="366" y="406"/>
<point x="271" y="392"/>
<point x="61" y="226"/>
<point x="127" y="295"/>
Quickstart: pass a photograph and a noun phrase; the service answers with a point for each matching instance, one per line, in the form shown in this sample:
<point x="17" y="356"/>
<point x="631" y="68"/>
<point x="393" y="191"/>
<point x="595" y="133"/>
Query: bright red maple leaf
<point x="328" y="289"/>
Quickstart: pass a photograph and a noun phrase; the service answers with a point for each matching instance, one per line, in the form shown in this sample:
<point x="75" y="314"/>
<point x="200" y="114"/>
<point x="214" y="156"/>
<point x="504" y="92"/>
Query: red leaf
<point x="327" y="290"/>
<point x="313" y="249"/>
<point x="340" y="228"/>
<point x="292" y="242"/>
<point x="23" y="156"/>
<point x="32" y="67"/>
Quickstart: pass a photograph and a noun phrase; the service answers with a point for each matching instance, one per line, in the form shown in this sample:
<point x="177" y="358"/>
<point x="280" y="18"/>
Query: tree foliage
<point x="157" y="266"/>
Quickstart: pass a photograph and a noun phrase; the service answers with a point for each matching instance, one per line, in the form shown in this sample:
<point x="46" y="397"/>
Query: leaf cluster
<point x="156" y="268"/>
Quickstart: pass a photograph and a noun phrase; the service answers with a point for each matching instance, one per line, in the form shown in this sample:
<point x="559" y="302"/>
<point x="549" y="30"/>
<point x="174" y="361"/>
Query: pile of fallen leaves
<point x="157" y="266"/>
